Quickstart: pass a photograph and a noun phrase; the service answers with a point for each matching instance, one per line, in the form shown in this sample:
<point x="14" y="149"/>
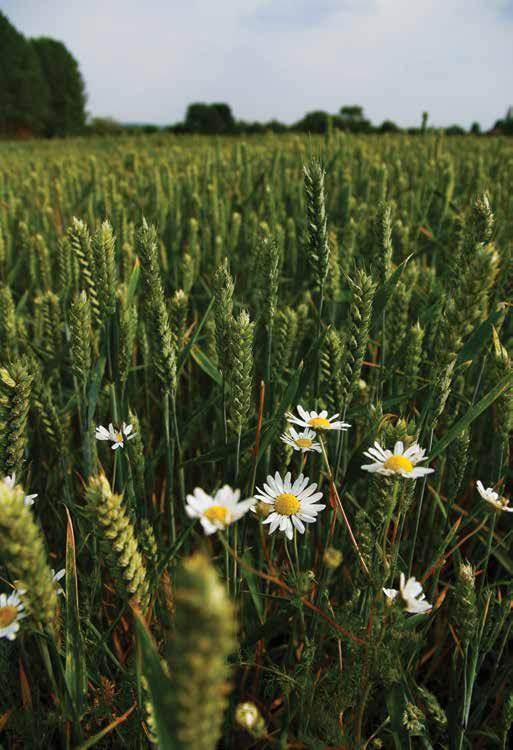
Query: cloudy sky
<point x="145" y="60"/>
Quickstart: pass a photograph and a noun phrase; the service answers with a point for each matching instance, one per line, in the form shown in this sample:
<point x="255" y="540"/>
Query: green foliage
<point x="66" y="105"/>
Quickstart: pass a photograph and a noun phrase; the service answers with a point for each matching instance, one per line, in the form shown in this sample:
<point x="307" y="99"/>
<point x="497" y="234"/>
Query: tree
<point x="66" y="112"/>
<point x="211" y="119"/>
<point x="387" y="126"/>
<point x="352" y="118"/>
<point x="24" y="94"/>
<point x="314" y="122"/>
<point x="455" y="130"/>
<point x="505" y="126"/>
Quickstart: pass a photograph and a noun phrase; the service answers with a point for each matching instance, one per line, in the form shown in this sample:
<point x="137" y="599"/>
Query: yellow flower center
<point x="7" y="616"/>
<point x="286" y="504"/>
<point x="319" y="423"/>
<point x="218" y="514"/>
<point x="303" y="443"/>
<point x="118" y="437"/>
<point x="398" y="463"/>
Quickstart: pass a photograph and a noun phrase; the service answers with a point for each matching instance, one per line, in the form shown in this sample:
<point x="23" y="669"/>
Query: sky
<point x="146" y="60"/>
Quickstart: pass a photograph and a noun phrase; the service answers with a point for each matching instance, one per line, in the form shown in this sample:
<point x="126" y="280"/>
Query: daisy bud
<point x="248" y="716"/>
<point x="263" y="509"/>
<point x="332" y="558"/>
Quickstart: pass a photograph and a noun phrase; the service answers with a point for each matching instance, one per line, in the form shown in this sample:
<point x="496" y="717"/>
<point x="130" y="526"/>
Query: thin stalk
<point x="419" y="509"/>
<point x="344" y="516"/>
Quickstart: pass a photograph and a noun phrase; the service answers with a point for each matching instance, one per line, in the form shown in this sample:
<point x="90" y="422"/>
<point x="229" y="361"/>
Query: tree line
<point x="217" y="119"/>
<point x="42" y="91"/>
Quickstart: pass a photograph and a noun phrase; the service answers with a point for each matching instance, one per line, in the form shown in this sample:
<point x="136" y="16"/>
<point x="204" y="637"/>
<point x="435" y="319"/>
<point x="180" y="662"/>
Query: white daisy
<point x="401" y="461"/>
<point x="57" y="577"/>
<point x="292" y="504"/>
<point x="10" y="481"/>
<point x="316" y="421"/>
<point x="411" y="593"/>
<point x="492" y="497"/>
<point x="11" y="612"/>
<point x="301" y="441"/>
<point x="117" y="437"/>
<point x="219" y="511"/>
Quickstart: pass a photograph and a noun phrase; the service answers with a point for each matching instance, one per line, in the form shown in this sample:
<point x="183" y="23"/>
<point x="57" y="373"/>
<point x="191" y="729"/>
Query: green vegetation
<point x="41" y="88"/>
<point x="166" y="305"/>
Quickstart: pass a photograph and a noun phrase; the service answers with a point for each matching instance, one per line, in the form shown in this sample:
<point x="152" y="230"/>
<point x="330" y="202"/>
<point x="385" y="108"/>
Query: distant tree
<point x="475" y="128"/>
<point x="454" y="130"/>
<point x="212" y="119"/>
<point x="275" y="126"/>
<point x="66" y="112"/>
<point x="104" y="126"/>
<point x="387" y="126"/>
<point x="352" y="118"/>
<point x="505" y="126"/>
<point x="425" y="117"/>
<point x="314" y="122"/>
<point x="24" y="95"/>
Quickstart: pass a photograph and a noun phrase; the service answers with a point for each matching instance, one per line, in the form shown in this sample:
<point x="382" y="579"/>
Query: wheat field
<point x="255" y="410"/>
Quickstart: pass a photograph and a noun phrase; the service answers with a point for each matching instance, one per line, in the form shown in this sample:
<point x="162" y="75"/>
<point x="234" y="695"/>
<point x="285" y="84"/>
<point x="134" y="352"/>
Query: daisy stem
<point x="488" y="550"/>
<point x="337" y="497"/>
<point x="340" y="444"/>
<point x="236" y="548"/>
<point x="419" y="509"/>
<point x="287" y="552"/>
<point x="237" y="455"/>
<point x="296" y="553"/>
<point x="492" y="525"/>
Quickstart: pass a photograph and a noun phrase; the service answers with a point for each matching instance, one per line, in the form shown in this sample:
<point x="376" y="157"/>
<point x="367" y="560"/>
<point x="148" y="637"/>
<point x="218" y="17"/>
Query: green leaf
<point x="94" y="388"/>
<point x="480" y="335"/>
<point x="206" y="365"/>
<point x="159" y="684"/>
<point x="182" y="357"/>
<point x="502" y="386"/>
<point x="251" y="580"/>
<point x="396" y="703"/>
<point x="386" y="290"/>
